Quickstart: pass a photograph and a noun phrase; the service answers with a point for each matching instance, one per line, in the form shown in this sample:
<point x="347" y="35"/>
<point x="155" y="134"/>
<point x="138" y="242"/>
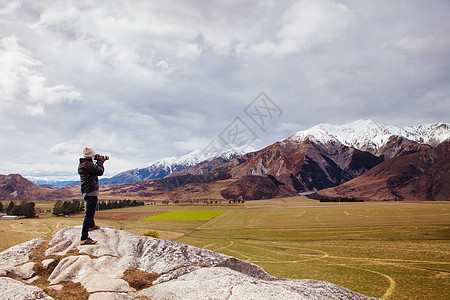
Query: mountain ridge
<point x="364" y="135"/>
<point x="416" y="176"/>
<point x="166" y="166"/>
<point x="326" y="156"/>
<point x="371" y="136"/>
<point x="322" y="157"/>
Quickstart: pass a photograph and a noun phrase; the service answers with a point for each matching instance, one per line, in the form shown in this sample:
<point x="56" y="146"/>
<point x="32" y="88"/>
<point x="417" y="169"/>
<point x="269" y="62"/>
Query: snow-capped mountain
<point x="45" y="182"/>
<point x="328" y="155"/>
<point x="364" y="135"/>
<point x="166" y="166"/>
<point x="192" y="158"/>
<point x="371" y="136"/>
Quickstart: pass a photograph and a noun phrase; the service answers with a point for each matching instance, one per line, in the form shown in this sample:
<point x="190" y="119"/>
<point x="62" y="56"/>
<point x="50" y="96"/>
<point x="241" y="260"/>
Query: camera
<point x="102" y="157"/>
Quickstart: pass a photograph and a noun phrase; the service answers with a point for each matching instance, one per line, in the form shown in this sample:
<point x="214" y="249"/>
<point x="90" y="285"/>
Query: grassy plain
<point x="186" y="215"/>
<point x="387" y="250"/>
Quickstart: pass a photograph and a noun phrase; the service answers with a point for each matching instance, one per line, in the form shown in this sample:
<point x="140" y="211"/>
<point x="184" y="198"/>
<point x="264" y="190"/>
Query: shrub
<point x="152" y="233"/>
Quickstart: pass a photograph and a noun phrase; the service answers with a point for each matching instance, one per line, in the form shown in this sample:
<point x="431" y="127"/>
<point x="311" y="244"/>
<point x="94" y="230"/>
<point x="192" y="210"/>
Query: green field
<point x="202" y="215"/>
<point x="386" y="250"/>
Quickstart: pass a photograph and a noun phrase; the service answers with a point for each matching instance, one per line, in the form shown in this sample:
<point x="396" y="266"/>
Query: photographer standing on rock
<point x="89" y="172"/>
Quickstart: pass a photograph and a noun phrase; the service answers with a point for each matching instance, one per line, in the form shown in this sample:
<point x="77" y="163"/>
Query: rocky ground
<point x="127" y="266"/>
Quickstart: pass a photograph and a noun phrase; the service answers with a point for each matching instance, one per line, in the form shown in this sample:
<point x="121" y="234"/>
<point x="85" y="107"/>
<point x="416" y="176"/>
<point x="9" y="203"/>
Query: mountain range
<point x="167" y="166"/>
<point x="326" y="155"/>
<point x="367" y="135"/>
<point x="363" y="159"/>
<point x="378" y="139"/>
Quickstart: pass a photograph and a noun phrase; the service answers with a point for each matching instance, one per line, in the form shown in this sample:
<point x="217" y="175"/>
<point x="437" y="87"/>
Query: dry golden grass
<point x="139" y="279"/>
<point x="70" y="290"/>
<point x="13" y="232"/>
<point x="387" y="250"/>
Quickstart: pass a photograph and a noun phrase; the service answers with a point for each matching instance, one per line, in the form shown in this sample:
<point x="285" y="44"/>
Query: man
<point x="89" y="172"/>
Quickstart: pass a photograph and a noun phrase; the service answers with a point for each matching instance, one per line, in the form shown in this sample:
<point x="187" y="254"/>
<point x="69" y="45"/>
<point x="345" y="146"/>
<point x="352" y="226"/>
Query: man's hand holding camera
<point x="101" y="157"/>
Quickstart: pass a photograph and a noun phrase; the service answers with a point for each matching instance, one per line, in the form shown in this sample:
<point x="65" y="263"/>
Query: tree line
<point x="118" y="204"/>
<point x="27" y="209"/>
<point x="67" y="207"/>
<point x="77" y="206"/>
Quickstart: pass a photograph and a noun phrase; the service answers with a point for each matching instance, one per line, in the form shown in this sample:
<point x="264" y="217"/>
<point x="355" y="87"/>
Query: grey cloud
<point x="141" y="80"/>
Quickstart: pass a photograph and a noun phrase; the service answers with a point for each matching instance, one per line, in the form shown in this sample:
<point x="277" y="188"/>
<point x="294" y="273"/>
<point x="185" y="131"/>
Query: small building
<point x="9" y="218"/>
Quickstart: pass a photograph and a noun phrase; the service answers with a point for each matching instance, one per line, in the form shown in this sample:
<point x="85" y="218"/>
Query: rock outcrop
<point x="179" y="271"/>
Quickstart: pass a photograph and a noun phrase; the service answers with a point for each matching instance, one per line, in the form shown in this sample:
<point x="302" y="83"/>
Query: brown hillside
<point x="254" y="187"/>
<point x="433" y="183"/>
<point x="15" y="187"/>
<point x="418" y="176"/>
<point x="307" y="166"/>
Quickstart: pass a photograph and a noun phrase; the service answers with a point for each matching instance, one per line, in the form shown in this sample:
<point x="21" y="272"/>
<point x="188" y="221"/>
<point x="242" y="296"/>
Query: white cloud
<point x="306" y="24"/>
<point x="21" y="81"/>
<point x="9" y="8"/>
<point x="422" y="46"/>
<point x="194" y="143"/>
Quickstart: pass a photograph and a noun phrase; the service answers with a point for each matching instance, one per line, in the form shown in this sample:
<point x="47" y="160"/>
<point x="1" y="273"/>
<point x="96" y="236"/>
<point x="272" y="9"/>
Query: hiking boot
<point x="94" y="228"/>
<point x="88" y="241"/>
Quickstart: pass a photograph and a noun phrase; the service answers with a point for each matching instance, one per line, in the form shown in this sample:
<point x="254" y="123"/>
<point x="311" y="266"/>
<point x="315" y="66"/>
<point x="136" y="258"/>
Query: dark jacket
<point x="89" y="172"/>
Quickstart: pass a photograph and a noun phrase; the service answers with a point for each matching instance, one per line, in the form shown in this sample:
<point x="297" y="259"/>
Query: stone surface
<point x="11" y="289"/>
<point x="47" y="262"/>
<point x="57" y="287"/>
<point x="118" y="250"/>
<point x="110" y="296"/>
<point x="224" y="283"/>
<point x="25" y="271"/>
<point x="32" y="279"/>
<point x="186" y="272"/>
<point x="17" y="255"/>
<point x="98" y="274"/>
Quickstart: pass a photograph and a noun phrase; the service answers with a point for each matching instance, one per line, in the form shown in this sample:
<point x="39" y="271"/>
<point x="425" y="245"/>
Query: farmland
<point x="388" y="250"/>
<point x="201" y="215"/>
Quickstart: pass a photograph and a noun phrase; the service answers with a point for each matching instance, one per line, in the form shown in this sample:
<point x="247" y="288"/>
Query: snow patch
<point x="195" y="157"/>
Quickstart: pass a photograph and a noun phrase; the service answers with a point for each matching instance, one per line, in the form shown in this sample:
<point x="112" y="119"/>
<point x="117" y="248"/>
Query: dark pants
<point x="91" y="203"/>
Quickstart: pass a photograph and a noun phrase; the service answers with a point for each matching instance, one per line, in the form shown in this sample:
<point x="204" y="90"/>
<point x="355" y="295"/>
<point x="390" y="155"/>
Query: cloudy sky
<point x="143" y="80"/>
